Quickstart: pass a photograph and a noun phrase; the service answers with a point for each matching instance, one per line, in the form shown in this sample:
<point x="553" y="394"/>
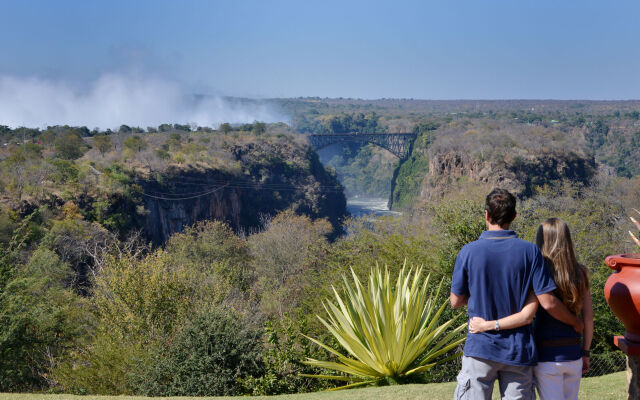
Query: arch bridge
<point x="397" y="143"/>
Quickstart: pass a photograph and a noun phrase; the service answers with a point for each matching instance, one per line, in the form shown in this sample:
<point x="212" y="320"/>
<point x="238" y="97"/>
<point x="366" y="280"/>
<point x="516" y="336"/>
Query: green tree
<point x="286" y="256"/>
<point x="48" y="138"/>
<point x="134" y="143"/>
<point x="70" y="146"/>
<point x="225" y="128"/>
<point x="259" y="128"/>
<point x="165" y="127"/>
<point x="213" y="244"/>
<point x="24" y="167"/>
<point x="459" y="222"/>
<point x="41" y="321"/>
<point x="103" y="143"/>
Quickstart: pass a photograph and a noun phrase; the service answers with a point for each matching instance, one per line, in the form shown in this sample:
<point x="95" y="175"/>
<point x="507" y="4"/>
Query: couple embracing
<point x="505" y="282"/>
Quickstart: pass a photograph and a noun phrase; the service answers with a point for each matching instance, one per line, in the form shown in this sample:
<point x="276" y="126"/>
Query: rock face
<point x="519" y="173"/>
<point x="181" y="197"/>
<point x="170" y="213"/>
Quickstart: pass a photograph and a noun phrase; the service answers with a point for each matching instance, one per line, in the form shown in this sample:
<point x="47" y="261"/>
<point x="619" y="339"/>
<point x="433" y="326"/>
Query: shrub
<point x="140" y="306"/>
<point x="70" y="146"/>
<point x="212" y="245"/>
<point x="65" y="171"/>
<point x="286" y="256"/>
<point x="41" y="319"/>
<point x="134" y="143"/>
<point x="208" y="358"/>
<point x="286" y="347"/>
<point x="460" y="222"/>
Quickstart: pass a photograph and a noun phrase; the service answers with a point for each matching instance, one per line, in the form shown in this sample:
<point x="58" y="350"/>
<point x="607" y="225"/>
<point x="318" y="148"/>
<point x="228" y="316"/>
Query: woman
<point x="561" y="357"/>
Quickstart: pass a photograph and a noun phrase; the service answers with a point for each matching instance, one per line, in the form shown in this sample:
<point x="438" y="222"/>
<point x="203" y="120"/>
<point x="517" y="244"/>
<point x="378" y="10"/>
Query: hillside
<point x="161" y="182"/>
<point x="501" y="153"/>
<point x="519" y="144"/>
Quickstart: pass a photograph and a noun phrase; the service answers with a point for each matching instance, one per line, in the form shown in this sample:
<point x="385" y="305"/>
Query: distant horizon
<point x="92" y="63"/>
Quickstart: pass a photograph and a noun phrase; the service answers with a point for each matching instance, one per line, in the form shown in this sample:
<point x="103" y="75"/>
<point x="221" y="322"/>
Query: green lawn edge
<point x="606" y="387"/>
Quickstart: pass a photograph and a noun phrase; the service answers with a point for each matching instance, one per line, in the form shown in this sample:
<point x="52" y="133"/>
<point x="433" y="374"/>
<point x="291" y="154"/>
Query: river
<point x="361" y="206"/>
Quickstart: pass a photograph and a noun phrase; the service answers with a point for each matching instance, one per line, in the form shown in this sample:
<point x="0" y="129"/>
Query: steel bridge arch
<point x="399" y="144"/>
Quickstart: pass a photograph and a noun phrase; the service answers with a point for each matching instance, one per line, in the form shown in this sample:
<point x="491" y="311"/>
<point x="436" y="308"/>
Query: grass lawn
<point x="605" y="387"/>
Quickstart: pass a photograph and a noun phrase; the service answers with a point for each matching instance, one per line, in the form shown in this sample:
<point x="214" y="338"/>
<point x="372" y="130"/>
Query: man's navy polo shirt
<point x="497" y="272"/>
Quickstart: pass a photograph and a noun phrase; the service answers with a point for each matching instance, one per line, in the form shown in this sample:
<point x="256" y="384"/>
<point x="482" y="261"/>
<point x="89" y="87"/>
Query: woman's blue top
<point x="548" y="328"/>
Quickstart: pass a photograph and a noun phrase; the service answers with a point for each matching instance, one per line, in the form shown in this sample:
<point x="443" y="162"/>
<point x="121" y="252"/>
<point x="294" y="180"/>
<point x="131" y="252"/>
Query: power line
<point x="251" y="183"/>
<point x="181" y="193"/>
<point x="245" y="185"/>
<point x="184" y="198"/>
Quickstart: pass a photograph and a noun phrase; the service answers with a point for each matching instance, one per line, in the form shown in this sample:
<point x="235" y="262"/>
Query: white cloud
<point x="116" y="99"/>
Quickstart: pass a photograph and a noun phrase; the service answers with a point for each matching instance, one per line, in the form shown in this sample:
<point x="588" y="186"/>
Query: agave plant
<point x="637" y="224"/>
<point x="390" y="333"/>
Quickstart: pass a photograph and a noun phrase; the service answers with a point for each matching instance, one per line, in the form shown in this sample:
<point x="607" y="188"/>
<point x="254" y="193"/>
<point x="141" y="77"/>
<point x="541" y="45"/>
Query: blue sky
<point x="456" y="49"/>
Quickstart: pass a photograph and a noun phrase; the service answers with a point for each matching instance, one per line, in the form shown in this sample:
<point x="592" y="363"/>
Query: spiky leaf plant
<point x="390" y="333"/>
<point x="637" y="224"/>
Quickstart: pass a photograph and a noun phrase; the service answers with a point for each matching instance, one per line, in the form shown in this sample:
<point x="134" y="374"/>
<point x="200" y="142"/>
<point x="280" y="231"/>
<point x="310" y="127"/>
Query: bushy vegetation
<point x="147" y="315"/>
<point x="211" y="356"/>
<point x="87" y="305"/>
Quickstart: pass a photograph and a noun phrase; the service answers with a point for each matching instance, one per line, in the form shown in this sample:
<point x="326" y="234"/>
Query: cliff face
<point x="483" y="154"/>
<point x="169" y="211"/>
<point x="519" y="173"/>
<point x="268" y="184"/>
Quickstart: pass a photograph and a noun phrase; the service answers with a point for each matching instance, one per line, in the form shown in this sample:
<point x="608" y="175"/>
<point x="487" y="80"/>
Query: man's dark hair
<point x="501" y="206"/>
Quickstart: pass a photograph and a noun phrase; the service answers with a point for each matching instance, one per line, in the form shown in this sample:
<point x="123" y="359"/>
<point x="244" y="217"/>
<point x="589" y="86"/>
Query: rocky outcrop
<point x="269" y="184"/>
<point x="186" y="198"/>
<point x="520" y="172"/>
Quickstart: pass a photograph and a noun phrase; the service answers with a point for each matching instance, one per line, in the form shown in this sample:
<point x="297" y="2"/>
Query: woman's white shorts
<point x="558" y="380"/>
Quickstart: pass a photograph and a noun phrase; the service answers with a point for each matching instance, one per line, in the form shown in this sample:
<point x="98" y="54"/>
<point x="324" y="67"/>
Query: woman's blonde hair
<point x="571" y="278"/>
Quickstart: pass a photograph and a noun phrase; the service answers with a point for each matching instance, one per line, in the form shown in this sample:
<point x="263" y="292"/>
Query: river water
<point x="362" y="206"/>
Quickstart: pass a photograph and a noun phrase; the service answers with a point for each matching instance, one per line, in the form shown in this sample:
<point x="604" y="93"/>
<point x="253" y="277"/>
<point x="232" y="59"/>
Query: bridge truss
<point x="397" y="143"/>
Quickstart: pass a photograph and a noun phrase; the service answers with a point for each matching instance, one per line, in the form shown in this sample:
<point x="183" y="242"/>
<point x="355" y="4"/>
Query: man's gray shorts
<point x="477" y="376"/>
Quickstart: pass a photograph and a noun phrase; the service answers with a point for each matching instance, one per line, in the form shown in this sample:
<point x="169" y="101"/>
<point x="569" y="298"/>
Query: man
<point x="493" y="276"/>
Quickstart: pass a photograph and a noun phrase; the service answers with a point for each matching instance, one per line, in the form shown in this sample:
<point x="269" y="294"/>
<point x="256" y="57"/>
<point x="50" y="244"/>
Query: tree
<point x="103" y="143"/>
<point x="225" y="128"/>
<point x="22" y="162"/>
<point x="41" y="319"/>
<point x="70" y="146"/>
<point x="184" y="128"/>
<point x="134" y="143"/>
<point x="47" y="138"/>
<point x="259" y="128"/>
<point x="285" y="254"/>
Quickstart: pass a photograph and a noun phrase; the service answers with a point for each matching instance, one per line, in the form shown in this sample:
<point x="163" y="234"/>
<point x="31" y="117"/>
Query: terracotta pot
<point x="622" y="292"/>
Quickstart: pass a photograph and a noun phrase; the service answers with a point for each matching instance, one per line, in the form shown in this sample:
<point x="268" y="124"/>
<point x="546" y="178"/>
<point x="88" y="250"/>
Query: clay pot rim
<point x="618" y="261"/>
